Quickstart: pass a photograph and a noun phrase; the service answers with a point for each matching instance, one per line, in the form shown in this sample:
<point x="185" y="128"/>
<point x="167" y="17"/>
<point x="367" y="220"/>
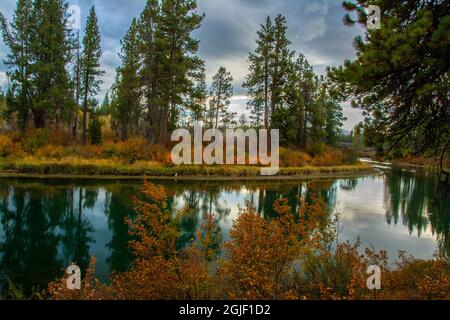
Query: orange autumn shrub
<point x="291" y="256"/>
<point x="328" y="158"/>
<point x="9" y="148"/>
<point x="292" y="158"/>
<point x="134" y="149"/>
<point x="61" y="137"/>
<point x="160" y="270"/>
<point x="33" y="139"/>
<point x="138" y="148"/>
<point x="50" y="152"/>
<point x="262" y="254"/>
<point x="421" y="279"/>
<point x="87" y="151"/>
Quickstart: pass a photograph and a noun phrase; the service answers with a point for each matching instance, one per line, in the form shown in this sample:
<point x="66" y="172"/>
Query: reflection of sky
<point x="363" y="214"/>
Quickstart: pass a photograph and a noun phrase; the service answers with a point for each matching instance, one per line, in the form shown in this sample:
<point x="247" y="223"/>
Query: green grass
<point x="84" y="167"/>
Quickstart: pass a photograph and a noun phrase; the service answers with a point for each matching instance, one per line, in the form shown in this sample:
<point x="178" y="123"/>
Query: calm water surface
<point x="47" y="224"/>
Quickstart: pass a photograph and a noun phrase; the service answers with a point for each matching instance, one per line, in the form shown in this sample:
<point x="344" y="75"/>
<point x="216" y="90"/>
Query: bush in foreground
<point x="288" y="257"/>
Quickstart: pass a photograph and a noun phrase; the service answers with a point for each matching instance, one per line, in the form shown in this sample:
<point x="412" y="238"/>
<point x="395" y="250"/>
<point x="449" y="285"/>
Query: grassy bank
<point x="105" y="168"/>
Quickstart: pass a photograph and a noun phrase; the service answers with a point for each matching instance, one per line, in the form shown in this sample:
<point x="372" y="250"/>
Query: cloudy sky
<point x="228" y="34"/>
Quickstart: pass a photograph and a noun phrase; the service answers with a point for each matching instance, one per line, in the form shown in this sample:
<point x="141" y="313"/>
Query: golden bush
<point x="50" y="152"/>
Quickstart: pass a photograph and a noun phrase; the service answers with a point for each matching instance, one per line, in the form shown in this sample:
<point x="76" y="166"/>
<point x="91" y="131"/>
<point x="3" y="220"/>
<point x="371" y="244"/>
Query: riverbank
<point x="107" y="169"/>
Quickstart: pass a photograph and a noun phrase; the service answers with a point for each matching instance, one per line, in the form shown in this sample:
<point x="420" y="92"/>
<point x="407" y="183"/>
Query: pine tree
<point x="404" y="69"/>
<point x="95" y="130"/>
<point x="301" y="91"/>
<point x="197" y="101"/>
<point x="243" y="123"/>
<point x="178" y="19"/>
<point x="90" y="65"/>
<point x="280" y="62"/>
<point x="105" y="109"/>
<point x="150" y="72"/>
<point x="220" y="93"/>
<point x="126" y="100"/>
<point x="258" y="81"/>
<point x="17" y="37"/>
<point x="50" y="48"/>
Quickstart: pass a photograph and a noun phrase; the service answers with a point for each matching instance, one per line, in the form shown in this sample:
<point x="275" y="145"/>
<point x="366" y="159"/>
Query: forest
<point x="53" y="123"/>
<point x="50" y="108"/>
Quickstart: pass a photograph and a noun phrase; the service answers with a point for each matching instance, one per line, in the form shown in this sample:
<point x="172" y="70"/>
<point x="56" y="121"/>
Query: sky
<point x="228" y="34"/>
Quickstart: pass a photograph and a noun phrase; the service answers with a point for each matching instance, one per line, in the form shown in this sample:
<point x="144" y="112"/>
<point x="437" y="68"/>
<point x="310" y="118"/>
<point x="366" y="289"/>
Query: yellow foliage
<point x="9" y="148"/>
<point x="50" y="152"/>
<point x="287" y="257"/>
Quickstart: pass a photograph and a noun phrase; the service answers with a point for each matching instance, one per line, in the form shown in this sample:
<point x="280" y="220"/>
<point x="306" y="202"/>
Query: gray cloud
<point x="228" y="33"/>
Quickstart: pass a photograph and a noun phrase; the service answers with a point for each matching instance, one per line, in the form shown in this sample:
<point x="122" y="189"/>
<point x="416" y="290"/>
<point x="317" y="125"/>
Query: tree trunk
<point x="84" y="138"/>
<point x="266" y="96"/>
<point x="77" y="96"/>
<point x="85" y="110"/>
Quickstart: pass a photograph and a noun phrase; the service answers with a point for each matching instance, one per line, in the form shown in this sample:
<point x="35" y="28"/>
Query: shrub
<point x="50" y="152"/>
<point x="350" y="156"/>
<point x="291" y="158"/>
<point x="328" y="158"/>
<point x="35" y="139"/>
<point x="134" y="149"/>
<point x="159" y="153"/>
<point x="317" y="148"/>
<point x="95" y="131"/>
<point x="9" y="148"/>
<point x="109" y="149"/>
<point x="60" y="137"/>
<point x="291" y="256"/>
<point x="88" y="151"/>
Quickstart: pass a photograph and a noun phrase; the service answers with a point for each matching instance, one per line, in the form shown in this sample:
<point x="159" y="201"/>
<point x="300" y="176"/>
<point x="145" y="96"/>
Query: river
<point x="46" y="224"/>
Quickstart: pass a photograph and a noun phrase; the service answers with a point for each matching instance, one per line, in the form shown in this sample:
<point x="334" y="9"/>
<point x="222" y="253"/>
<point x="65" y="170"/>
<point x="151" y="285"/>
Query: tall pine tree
<point x="90" y="66"/>
<point x="220" y="93"/>
<point x="17" y="37"/>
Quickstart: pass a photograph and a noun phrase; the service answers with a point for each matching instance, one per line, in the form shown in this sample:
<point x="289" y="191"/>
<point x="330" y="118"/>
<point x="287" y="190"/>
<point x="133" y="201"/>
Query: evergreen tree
<point x="220" y="93"/>
<point x="95" y="130"/>
<point x="90" y="65"/>
<point x="17" y="37"/>
<point x="178" y="19"/>
<point x="300" y="97"/>
<point x="105" y="109"/>
<point x="403" y="68"/>
<point x="127" y="90"/>
<point x="258" y="81"/>
<point x="150" y="72"/>
<point x="50" y="47"/>
<point x="242" y="121"/>
<point x="196" y="103"/>
<point x="280" y="63"/>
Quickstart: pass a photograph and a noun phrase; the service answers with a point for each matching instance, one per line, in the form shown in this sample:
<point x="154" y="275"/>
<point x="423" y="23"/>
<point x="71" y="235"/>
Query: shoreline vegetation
<point x="56" y="169"/>
<point x="45" y="153"/>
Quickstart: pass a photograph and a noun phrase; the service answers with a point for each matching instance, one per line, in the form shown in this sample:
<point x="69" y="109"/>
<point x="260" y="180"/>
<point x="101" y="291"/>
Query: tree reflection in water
<point x="47" y="224"/>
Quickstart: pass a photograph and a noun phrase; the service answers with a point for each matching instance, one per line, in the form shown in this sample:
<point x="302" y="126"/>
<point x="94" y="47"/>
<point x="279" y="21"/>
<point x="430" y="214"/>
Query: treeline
<point x="51" y="78"/>
<point x="54" y="78"/>
<point x="286" y="94"/>
<point x="284" y="91"/>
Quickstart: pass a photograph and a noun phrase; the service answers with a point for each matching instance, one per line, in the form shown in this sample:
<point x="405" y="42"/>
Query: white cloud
<point x="3" y="80"/>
